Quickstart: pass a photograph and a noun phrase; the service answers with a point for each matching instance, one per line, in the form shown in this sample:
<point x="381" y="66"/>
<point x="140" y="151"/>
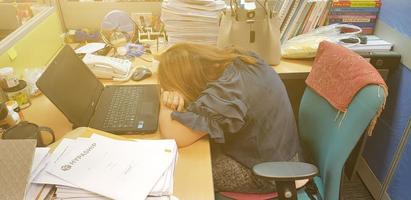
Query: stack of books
<point x="362" y="13"/>
<point x="374" y="44"/>
<point x="192" y="21"/>
<point x="301" y="16"/>
<point x="378" y="52"/>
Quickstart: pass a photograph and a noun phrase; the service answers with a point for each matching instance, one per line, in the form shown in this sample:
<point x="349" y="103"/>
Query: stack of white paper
<point x="38" y="191"/>
<point x="192" y="21"/>
<point x="103" y="168"/>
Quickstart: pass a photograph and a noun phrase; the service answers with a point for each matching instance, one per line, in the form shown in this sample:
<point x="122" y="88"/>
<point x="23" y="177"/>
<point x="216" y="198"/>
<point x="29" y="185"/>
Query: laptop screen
<point x="71" y="86"/>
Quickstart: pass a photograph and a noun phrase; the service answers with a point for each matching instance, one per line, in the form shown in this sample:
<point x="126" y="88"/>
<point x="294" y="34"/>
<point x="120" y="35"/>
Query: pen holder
<point x="20" y="94"/>
<point x="157" y="48"/>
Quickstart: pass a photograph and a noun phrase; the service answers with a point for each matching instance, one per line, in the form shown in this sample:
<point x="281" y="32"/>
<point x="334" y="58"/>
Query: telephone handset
<point x="109" y="67"/>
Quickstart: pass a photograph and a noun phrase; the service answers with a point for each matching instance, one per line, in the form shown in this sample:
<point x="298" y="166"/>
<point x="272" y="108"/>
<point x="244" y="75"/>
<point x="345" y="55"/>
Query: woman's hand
<point x="172" y="100"/>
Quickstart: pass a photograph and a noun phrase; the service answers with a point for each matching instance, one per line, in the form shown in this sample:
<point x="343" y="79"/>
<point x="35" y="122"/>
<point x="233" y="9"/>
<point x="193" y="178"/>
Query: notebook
<point x="16" y="157"/>
<point x="83" y="99"/>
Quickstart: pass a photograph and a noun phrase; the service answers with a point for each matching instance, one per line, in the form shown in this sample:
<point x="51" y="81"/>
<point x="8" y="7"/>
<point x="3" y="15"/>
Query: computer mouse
<point x="141" y="73"/>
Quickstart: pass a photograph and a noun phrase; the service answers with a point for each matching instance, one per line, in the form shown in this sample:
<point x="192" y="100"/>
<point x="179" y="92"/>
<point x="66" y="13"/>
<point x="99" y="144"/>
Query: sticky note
<point x="12" y="53"/>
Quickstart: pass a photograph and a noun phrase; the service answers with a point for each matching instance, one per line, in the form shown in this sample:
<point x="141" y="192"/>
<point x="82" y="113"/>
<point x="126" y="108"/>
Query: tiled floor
<point x="352" y="190"/>
<point x="355" y="190"/>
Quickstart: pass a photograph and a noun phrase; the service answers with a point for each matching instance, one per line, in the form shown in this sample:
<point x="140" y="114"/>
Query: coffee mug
<point x="27" y="130"/>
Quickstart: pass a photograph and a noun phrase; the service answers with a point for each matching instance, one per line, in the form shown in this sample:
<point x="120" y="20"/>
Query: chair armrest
<point x="285" y="171"/>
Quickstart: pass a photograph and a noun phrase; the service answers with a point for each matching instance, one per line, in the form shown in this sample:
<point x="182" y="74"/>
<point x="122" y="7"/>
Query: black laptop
<point x="119" y="109"/>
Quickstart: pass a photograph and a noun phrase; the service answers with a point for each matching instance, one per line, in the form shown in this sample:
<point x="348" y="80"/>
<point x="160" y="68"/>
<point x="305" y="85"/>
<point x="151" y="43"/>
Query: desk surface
<point x="44" y="113"/>
<point x="193" y="179"/>
<point x="290" y="67"/>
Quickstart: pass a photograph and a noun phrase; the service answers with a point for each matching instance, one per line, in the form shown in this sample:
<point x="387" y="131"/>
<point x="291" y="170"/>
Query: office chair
<point x="327" y="140"/>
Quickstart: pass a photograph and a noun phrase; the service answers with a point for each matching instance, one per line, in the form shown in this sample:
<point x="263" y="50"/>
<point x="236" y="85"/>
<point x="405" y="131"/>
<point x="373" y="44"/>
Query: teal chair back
<point x="329" y="141"/>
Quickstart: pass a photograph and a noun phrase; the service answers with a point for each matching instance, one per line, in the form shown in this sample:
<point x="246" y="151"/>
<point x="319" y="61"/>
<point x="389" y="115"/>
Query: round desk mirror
<point x="117" y="29"/>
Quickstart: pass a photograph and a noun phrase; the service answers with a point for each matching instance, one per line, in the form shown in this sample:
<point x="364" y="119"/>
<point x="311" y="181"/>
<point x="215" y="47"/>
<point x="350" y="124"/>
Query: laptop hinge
<point x="93" y="104"/>
<point x="96" y="99"/>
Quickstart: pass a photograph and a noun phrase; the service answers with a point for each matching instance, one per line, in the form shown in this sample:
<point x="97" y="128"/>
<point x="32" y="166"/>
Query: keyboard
<point x="123" y="107"/>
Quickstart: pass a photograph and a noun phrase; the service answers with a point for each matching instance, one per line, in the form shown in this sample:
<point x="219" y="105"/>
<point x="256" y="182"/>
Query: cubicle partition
<point x="386" y="164"/>
<point x="77" y="15"/>
<point x="33" y="46"/>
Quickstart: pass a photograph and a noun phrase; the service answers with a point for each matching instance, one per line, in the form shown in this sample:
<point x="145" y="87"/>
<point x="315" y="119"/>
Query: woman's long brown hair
<point x="188" y="67"/>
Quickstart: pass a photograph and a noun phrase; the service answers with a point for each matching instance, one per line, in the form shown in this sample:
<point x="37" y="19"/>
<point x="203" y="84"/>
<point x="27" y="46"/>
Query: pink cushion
<point x="247" y="196"/>
<point x="339" y="73"/>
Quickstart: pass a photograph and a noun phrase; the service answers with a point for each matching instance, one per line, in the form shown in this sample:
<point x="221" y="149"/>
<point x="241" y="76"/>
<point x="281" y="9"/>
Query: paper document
<point x="38" y="191"/>
<point x="100" y="168"/>
<point x="39" y="154"/>
<point x="39" y="161"/>
<point x="122" y="169"/>
<point x="90" y="48"/>
<point x="43" y="177"/>
<point x="164" y="186"/>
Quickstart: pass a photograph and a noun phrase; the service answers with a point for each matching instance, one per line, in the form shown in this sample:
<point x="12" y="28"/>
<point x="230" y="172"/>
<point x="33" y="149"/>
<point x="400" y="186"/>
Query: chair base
<point x="245" y="196"/>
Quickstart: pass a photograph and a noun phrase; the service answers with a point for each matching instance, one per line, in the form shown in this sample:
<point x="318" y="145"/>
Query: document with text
<point x="112" y="168"/>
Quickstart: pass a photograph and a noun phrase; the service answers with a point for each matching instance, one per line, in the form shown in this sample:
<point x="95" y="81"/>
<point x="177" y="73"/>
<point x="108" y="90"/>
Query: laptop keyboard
<point x="123" y="107"/>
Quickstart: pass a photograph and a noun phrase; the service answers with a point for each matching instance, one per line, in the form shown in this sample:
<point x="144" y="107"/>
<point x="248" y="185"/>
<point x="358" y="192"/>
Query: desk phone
<point x="109" y="67"/>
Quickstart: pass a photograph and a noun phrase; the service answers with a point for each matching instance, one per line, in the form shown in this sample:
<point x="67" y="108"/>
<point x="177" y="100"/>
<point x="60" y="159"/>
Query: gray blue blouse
<point x="247" y="110"/>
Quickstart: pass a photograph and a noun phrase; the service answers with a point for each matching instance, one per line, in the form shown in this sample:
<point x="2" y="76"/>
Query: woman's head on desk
<point x="188" y="67"/>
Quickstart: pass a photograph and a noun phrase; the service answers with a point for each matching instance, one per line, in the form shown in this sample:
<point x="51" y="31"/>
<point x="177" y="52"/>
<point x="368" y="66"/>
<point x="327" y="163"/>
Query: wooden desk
<point x="294" y="69"/>
<point x="193" y="179"/>
<point x="45" y="113"/>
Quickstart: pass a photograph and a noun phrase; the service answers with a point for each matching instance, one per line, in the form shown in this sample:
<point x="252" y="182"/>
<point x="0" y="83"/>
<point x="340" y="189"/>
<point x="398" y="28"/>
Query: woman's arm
<point x="172" y="129"/>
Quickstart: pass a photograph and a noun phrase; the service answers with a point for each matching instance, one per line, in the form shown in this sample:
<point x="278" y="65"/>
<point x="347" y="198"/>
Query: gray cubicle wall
<point x="393" y="26"/>
<point x="76" y="15"/>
